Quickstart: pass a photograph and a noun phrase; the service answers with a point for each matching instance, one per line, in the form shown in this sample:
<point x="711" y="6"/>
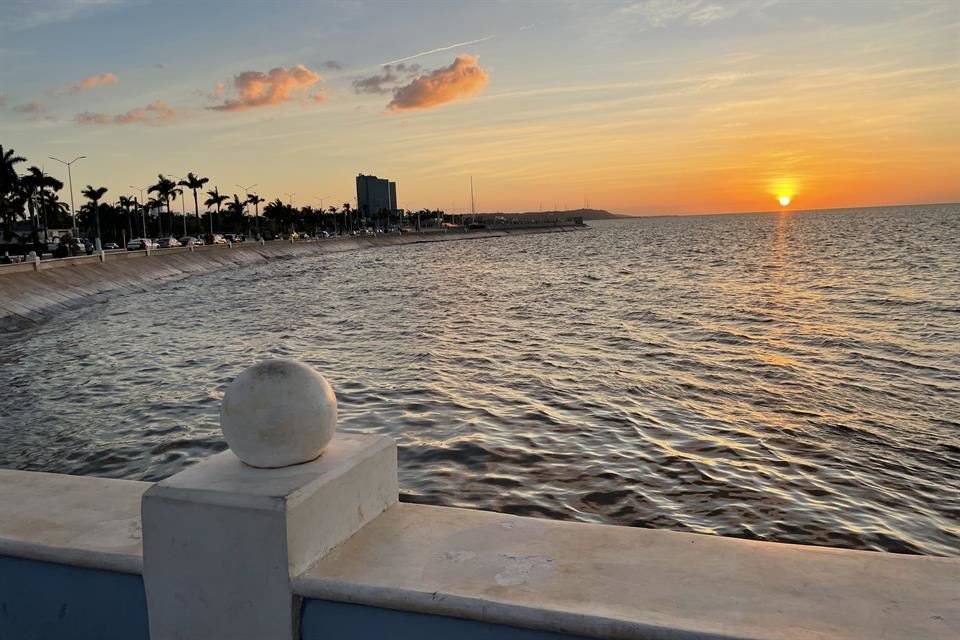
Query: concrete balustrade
<point x="301" y="536"/>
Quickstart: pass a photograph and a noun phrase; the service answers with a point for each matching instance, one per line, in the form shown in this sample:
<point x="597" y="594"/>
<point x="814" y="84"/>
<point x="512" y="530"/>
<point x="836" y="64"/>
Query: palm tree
<point x="193" y="183"/>
<point x="237" y="208"/>
<point x="11" y="202"/>
<point x="165" y="189"/>
<point x="93" y="195"/>
<point x="156" y="204"/>
<point x="216" y="199"/>
<point x="8" y="169"/>
<point x="346" y="212"/>
<point x="255" y="200"/>
<point x="332" y="210"/>
<point x="35" y="183"/>
<point x="56" y="214"/>
<point x="126" y="203"/>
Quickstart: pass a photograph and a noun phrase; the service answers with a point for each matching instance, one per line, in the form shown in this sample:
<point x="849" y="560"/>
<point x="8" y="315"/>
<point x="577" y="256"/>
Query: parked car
<point x="189" y="241"/>
<point x="168" y="243"/>
<point x="110" y="246"/>
<point x="219" y="239"/>
<point x="139" y="243"/>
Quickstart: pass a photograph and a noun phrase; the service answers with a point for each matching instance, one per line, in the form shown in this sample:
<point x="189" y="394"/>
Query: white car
<point x="139" y="243"/>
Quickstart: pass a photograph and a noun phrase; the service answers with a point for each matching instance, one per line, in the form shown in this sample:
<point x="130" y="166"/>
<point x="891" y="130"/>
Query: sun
<point x="784" y="200"/>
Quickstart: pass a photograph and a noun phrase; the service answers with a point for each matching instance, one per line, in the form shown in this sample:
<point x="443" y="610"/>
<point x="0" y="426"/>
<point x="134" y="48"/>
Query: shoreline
<point x="32" y="293"/>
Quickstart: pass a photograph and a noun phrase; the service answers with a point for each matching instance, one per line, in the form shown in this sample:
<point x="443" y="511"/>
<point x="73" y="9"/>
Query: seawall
<point x="33" y="292"/>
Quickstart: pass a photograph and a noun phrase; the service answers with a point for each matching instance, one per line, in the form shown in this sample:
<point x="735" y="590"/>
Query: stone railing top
<point x="278" y="413"/>
<point x="604" y="581"/>
<point x="71" y="520"/>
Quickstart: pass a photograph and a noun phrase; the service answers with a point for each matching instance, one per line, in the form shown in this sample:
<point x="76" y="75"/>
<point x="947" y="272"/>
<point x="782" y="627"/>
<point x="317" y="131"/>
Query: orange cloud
<point x="258" y="89"/>
<point x="91" y="82"/>
<point x="462" y="79"/>
<point x="157" y="112"/>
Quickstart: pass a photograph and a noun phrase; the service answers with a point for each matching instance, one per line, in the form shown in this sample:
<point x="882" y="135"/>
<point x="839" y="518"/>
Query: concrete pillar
<point x="222" y="540"/>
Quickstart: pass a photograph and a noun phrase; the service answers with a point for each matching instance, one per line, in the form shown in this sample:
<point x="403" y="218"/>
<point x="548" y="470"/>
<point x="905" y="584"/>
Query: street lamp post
<point x="320" y="217"/>
<point x="290" y="196"/>
<point x="246" y="191"/>
<point x="73" y="211"/>
<point x="143" y="209"/>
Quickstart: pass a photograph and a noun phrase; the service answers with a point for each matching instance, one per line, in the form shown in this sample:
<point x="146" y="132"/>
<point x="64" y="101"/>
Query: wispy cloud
<point x="91" y="82"/>
<point x="461" y="79"/>
<point x="331" y="65"/>
<point x="439" y="49"/>
<point x="387" y="80"/>
<point x="28" y="14"/>
<point x="662" y="13"/>
<point x="257" y="89"/>
<point x="157" y="112"/>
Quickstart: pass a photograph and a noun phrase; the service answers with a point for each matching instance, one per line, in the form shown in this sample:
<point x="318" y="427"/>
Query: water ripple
<point x="792" y="378"/>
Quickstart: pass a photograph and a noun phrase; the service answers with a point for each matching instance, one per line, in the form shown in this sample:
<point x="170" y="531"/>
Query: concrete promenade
<point x="34" y="292"/>
<point x="321" y="548"/>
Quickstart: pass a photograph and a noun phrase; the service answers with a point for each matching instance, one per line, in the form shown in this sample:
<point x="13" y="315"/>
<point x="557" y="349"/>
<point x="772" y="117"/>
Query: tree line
<point x="33" y="196"/>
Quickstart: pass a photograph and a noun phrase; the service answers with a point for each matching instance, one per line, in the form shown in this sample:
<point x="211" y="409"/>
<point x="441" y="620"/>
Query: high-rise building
<point x="375" y="195"/>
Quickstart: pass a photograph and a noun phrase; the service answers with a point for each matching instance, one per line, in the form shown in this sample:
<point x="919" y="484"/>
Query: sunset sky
<point x="639" y="107"/>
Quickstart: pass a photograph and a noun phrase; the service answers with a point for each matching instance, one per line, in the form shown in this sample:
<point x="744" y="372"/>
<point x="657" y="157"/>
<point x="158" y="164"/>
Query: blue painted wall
<point x="323" y="620"/>
<point x="47" y="601"/>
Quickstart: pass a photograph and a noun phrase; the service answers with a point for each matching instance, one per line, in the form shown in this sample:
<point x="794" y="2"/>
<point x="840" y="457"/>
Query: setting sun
<point x="784" y="200"/>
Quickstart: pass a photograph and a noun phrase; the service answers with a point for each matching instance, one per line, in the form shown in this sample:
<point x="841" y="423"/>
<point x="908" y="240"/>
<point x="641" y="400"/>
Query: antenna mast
<point x="473" y="208"/>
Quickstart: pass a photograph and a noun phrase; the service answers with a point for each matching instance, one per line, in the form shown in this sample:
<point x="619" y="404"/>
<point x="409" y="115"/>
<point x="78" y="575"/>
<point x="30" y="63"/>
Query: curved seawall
<point x="34" y="292"/>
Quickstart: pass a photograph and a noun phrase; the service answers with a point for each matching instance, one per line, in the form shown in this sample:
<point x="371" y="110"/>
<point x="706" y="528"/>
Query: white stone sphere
<point x="278" y="413"/>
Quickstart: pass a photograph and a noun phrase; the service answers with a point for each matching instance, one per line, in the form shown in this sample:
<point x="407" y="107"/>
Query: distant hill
<point x="586" y="214"/>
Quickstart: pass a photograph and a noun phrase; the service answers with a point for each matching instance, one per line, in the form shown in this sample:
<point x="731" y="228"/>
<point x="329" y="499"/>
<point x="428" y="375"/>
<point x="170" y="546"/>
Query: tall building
<point x="375" y="195"/>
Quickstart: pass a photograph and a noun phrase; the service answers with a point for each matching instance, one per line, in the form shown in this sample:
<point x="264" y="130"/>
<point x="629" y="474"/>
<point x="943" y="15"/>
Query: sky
<point x="639" y="107"/>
